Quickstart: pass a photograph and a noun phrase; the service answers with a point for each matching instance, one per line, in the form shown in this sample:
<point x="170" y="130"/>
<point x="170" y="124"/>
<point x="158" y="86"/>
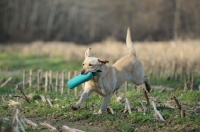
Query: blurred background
<point x="87" y="21"/>
<point x="54" y="34"/>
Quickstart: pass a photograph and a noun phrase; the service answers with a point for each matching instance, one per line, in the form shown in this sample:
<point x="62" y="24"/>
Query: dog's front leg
<point x="104" y="104"/>
<point x="84" y="96"/>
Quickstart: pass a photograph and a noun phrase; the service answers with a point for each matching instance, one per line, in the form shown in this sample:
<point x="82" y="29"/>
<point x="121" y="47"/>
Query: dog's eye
<point x="83" y="64"/>
<point x="90" y="65"/>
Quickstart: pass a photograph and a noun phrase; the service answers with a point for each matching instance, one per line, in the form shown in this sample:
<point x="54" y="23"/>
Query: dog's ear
<point x="87" y="52"/>
<point x="103" y="61"/>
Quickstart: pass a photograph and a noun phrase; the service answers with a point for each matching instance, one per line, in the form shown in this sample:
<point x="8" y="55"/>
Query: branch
<point x="110" y="110"/>
<point x="127" y="106"/>
<point x="8" y="80"/>
<point x="26" y="98"/>
<point x="48" y="100"/>
<point x="48" y="126"/>
<point x="157" y="112"/>
<point x="30" y="122"/>
<point x="68" y="129"/>
<point x="144" y="108"/>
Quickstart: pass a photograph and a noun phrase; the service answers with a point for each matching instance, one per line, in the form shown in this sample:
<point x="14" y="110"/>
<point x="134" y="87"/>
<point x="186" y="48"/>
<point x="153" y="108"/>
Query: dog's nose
<point x="82" y="71"/>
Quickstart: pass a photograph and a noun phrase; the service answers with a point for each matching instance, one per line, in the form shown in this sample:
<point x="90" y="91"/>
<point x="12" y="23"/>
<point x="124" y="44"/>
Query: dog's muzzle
<point x="82" y="71"/>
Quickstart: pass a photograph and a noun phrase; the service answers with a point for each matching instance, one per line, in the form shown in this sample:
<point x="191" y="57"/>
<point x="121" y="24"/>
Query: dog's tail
<point x="130" y="43"/>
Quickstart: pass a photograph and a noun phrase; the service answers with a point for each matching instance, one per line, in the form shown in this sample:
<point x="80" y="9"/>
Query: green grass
<point x="61" y="113"/>
<point x="19" y="62"/>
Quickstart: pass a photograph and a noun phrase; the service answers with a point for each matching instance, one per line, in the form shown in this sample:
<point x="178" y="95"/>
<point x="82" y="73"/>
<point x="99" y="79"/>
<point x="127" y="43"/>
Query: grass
<point x="61" y="57"/>
<point x="20" y="62"/>
<point x="61" y="114"/>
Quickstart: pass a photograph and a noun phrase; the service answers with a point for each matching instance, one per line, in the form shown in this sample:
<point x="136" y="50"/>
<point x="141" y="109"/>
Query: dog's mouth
<point x="83" y="71"/>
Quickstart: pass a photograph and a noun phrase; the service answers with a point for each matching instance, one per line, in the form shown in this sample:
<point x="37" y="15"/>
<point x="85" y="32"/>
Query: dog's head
<point x="92" y="64"/>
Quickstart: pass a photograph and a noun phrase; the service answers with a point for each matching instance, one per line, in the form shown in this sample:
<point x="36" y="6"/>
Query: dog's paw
<point x="74" y="108"/>
<point x="98" y="113"/>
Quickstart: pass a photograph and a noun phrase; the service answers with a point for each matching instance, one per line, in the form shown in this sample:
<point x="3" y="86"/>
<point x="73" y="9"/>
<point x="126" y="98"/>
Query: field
<point x="172" y="68"/>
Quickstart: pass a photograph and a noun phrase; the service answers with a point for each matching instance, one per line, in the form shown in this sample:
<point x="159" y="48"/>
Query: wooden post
<point x="46" y="81"/>
<point x="75" y="90"/>
<point x="24" y="78"/>
<point x="63" y="82"/>
<point x="69" y="77"/>
<point x="50" y="81"/>
<point x="57" y="80"/>
<point x="30" y="78"/>
<point x="38" y="79"/>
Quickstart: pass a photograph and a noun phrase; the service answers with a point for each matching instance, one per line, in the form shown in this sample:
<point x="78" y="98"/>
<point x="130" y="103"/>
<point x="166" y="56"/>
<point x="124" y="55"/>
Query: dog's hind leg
<point x="147" y="84"/>
<point x="148" y="88"/>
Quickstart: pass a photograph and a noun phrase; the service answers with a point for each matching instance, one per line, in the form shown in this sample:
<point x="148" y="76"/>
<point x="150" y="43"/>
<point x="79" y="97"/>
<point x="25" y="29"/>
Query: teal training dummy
<point x="81" y="78"/>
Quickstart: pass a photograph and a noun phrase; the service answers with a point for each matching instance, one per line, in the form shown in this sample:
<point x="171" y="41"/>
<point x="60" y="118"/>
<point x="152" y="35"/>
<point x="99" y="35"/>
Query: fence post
<point x="50" y="81"/>
<point x="69" y="77"/>
<point x="30" y="78"/>
<point x="57" y="80"/>
<point x="38" y="79"/>
<point x="24" y="78"/>
<point x="46" y="82"/>
<point x="75" y="90"/>
<point x="63" y="82"/>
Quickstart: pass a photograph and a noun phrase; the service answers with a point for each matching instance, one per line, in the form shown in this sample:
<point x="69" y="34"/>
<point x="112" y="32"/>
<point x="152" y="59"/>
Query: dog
<point x="110" y="78"/>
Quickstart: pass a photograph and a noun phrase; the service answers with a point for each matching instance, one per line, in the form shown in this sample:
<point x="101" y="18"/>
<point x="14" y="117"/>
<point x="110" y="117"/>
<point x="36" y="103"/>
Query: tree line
<point x="86" y="21"/>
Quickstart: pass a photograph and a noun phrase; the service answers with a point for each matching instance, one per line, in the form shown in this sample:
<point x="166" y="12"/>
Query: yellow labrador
<point x="110" y="78"/>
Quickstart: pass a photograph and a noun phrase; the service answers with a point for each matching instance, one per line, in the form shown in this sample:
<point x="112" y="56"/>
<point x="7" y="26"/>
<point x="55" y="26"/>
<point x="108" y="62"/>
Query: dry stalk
<point x="3" y="99"/>
<point x="36" y="102"/>
<point x="176" y="102"/>
<point x="8" y="80"/>
<point x="177" y="88"/>
<point x="68" y="129"/>
<point x="48" y="100"/>
<point x="29" y="122"/>
<point x="162" y="90"/>
<point x="182" y="112"/>
<point x="22" y="92"/>
<point x="13" y="103"/>
<point x="43" y="98"/>
<point x="48" y="126"/>
<point x="127" y="106"/>
<point x="110" y="110"/>
<point x="120" y="99"/>
<point x="143" y="107"/>
<point x="157" y="112"/>
<point x="16" y="120"/>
